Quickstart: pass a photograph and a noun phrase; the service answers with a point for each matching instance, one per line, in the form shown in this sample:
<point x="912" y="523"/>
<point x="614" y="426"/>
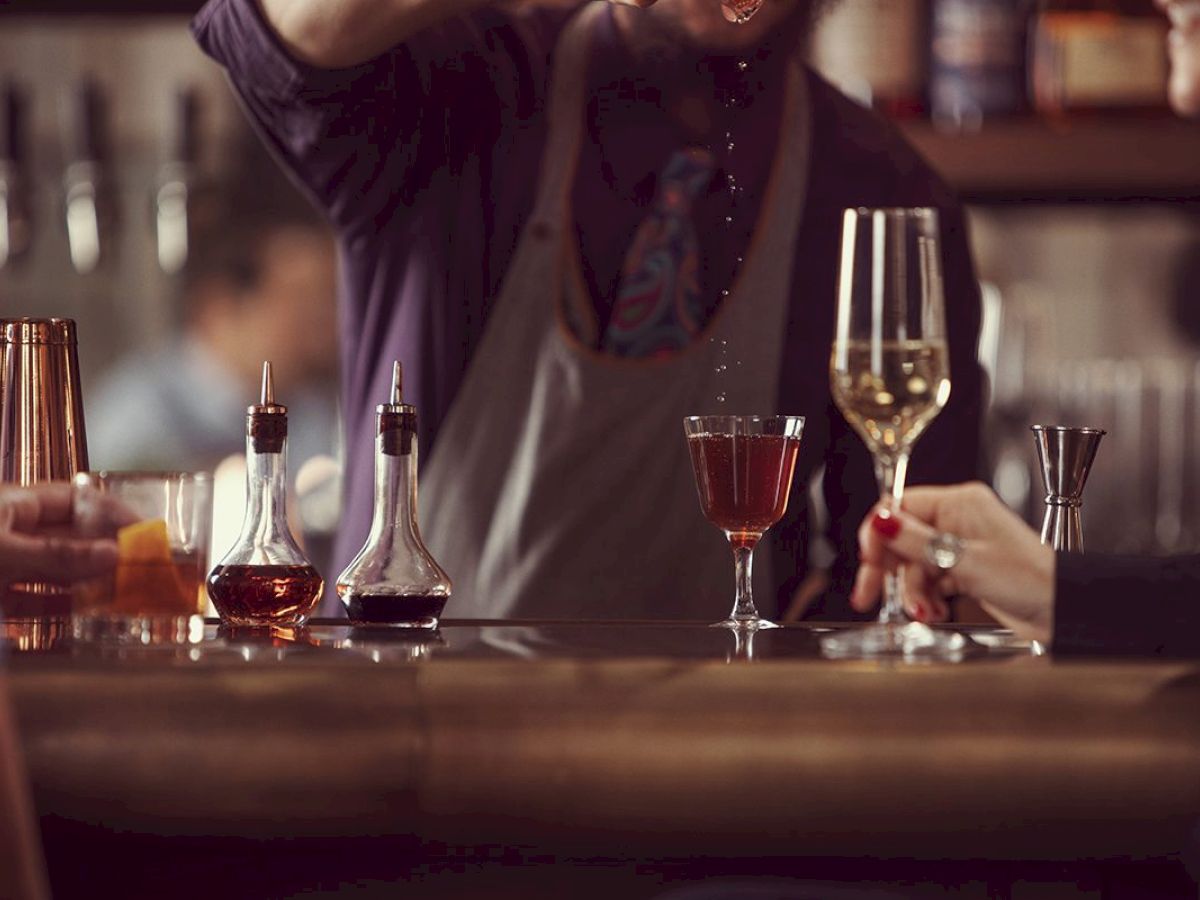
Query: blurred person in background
<point x="1076" y="603"/>
<point x="260" y="284"/>
<point x="576" y="223"/>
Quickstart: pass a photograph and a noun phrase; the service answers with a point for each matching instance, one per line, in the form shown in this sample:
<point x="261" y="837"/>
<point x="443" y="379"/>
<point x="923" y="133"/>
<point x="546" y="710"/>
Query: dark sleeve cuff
<point x="1139" y="606"/>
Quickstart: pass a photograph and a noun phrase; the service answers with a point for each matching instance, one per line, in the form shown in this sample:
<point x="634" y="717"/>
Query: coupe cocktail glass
<point x="743" y="467"/>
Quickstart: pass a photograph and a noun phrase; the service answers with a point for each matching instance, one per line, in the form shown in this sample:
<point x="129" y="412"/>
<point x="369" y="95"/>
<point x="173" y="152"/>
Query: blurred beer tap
<point x="16" y="216"/>
<point x="91" y="209"/>
<point x="176" y="184"/>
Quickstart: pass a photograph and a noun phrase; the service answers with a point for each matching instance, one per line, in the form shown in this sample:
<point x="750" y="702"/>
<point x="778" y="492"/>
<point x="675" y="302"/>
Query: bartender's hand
<point x="34" y="539"/>
<point x="1003" y="564"/>
<point x="1183" y="45"/>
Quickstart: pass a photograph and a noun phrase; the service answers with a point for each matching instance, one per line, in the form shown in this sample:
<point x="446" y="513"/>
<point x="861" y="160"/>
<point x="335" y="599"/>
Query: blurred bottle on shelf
<point x="1098" y="55"/>
<point x="875" y="52"/>
<point x="977" y="61"/>
<point x="176" y="185"/>
<point x="90" y="200"/>
<point x="16" y="216"/>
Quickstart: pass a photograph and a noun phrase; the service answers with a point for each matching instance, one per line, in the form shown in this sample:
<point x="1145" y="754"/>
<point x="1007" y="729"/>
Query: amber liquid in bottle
<point x="257" y="595"/>
<point x="265" y="580"/>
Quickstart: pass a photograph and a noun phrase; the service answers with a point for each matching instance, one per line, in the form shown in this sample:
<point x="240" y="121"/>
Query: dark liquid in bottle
<point x="743" y="480"/>
<point x="399" y="610"/>
<point x="258" y="596"/>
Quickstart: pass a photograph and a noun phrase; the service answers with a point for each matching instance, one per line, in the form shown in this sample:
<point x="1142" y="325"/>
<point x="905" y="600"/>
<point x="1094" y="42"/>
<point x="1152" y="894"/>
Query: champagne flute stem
<point x="891" y="470"/>
<point x="743" y="604"/>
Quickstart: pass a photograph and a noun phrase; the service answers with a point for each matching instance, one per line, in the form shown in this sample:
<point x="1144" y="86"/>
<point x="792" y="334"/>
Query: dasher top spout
<point x="396" y="421"/>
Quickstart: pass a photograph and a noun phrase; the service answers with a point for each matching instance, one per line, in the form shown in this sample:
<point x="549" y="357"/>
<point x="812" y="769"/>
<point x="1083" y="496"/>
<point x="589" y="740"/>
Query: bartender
<point x="577" y="223"/>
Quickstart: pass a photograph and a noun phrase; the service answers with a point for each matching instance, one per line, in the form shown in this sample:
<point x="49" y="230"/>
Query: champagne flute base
<point x="910" y="640"/>
<point x="745" y="624"/>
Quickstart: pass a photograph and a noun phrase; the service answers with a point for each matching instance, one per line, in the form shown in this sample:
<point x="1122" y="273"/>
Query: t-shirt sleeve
<point x="367" y="139"/>
<point x="1127" y="605"/>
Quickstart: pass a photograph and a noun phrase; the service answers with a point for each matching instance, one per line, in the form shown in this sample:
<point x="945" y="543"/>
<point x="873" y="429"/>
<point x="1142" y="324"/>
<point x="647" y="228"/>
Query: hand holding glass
<point x="890" y="375"/>
<point x="743" y="467"/>
<point x="161" y="522"/>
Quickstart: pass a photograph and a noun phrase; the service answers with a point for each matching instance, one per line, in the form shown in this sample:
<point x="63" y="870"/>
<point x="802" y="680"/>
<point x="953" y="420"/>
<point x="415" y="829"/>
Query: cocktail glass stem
<point x="890" y="471"/>
<point x="744" y="609"/>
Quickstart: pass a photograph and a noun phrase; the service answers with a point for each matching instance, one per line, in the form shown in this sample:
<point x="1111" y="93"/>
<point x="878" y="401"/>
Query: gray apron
<point x="561" y="485"/>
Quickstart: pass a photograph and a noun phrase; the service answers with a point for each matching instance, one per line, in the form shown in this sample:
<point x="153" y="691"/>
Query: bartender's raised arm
<point x="335" y="34"/>
<point x="363" y="100"/>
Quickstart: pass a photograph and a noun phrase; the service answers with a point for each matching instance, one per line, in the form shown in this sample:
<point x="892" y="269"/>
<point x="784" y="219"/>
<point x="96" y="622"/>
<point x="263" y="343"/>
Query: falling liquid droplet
<point x="720" y="398"/>
<point x="724" y="293"/>
<point x="742" y="65"/>
<point x="729" y="220"/>
<point x="739" y="260"/>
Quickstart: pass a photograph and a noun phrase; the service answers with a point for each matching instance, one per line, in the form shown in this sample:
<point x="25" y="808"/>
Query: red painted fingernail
<point x="921" y="614"/>
<point x="886" y="524"/>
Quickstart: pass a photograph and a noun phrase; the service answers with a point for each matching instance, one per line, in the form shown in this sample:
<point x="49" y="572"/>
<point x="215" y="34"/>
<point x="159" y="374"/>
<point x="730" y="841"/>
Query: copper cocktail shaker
<point x="42" y="434"/>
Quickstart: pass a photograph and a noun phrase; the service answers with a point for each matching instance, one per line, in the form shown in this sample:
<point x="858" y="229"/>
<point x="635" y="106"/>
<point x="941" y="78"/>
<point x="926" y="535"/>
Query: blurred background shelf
<point x="1083" y="158"/>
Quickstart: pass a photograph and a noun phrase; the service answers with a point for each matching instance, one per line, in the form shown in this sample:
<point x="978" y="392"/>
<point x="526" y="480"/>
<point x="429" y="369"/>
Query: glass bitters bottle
<point x="265" y="579"/>
<point x="394" y="580"/>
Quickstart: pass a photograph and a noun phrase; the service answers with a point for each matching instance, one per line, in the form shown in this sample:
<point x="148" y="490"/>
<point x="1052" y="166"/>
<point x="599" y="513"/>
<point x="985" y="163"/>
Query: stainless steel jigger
<point x="1066" y="456"/>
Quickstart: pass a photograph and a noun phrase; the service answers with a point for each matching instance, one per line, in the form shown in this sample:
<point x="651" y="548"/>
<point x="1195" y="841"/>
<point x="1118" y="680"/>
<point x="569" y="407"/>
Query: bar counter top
<point x="643" y="739"/>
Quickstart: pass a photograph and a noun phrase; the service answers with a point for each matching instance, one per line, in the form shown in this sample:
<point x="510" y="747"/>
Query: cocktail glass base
<point x="910" y="640"/>
<point x="745" y="624"/>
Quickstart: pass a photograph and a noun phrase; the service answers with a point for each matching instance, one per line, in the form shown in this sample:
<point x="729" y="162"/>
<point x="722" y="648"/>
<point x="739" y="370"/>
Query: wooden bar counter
<point x="614" y="741"/>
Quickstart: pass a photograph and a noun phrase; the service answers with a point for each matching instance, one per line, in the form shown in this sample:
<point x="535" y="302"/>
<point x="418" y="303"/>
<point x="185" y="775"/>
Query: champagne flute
<point x="890" y="375"/>
<point x="743" y="467"/>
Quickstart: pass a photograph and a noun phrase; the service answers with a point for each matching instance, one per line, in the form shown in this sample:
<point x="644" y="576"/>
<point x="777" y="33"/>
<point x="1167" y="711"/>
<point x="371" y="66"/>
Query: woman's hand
<point x="34" y="541"/>
<point x="1003" y="564"/>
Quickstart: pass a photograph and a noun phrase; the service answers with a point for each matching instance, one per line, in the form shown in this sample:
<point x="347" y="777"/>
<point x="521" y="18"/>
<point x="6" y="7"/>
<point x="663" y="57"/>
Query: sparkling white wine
<point x="890" y="391"/>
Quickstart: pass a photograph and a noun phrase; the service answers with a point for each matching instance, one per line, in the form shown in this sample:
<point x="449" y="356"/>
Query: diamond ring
<point x="944" y="550"/>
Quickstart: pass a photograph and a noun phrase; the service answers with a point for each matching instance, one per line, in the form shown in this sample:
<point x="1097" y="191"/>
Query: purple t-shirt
<point x="426" y="160"/>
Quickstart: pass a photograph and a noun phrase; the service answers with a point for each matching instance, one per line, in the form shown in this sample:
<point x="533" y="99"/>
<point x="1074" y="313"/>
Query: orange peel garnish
<point x="146" y="579"/>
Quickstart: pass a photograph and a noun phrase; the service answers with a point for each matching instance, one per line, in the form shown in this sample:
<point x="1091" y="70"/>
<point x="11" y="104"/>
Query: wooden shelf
<point x="1125" y="158"/>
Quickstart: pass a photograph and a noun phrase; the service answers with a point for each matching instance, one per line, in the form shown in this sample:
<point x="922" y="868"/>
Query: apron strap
<point x="568" y="83"/>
